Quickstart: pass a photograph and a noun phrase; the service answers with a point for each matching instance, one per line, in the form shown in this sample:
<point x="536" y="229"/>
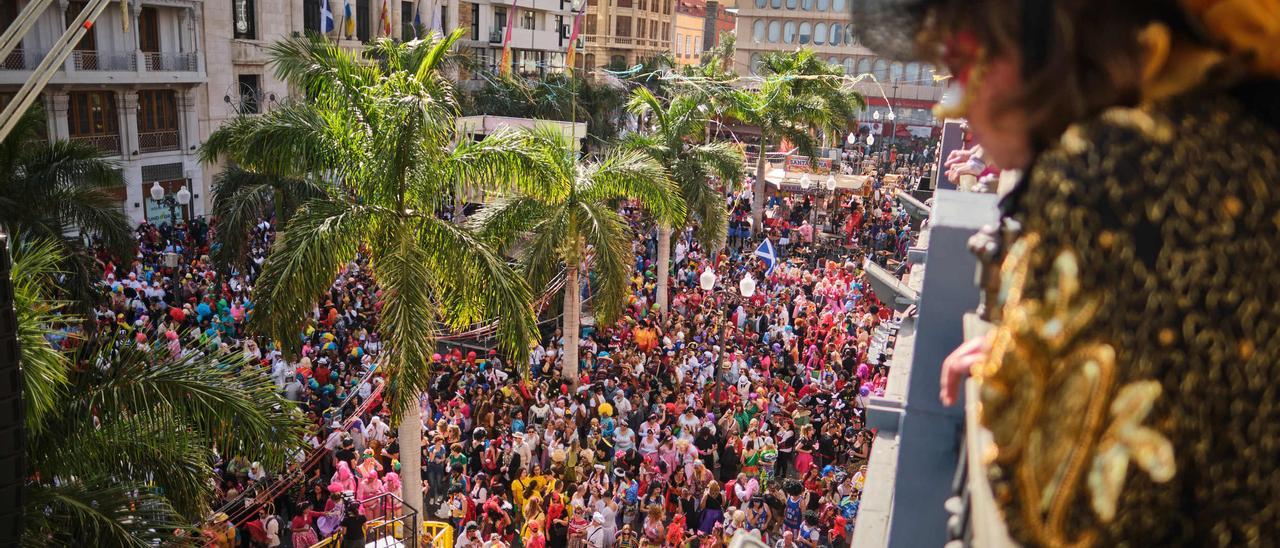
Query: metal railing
<point x="158" y="141"/>
<point x="391" y="523"/>
<point x="157" y="61"/>
<point x="109" y="144"/>
<point x="496" y="36"/>
<point x="97" y="60"/>
<point x="16" y="60"/>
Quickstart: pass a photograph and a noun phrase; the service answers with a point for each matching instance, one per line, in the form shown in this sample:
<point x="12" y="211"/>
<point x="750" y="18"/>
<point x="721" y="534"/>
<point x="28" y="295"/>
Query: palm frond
<point x="635" y="175"/>
<point x="610" y="238"/>
<point x="36" y="265"/>
<point x="319" y="240"/>
<point x="101" y="509"/>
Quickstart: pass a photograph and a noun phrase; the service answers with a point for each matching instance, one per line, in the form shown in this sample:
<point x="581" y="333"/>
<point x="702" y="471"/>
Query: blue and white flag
<point x="766" y="252"/>
<point x="326" y="17"/>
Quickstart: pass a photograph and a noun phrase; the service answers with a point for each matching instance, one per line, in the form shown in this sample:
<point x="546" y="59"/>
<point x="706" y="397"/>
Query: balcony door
<point x="92" y="119"/>
<point x="158" y="121"/>
<point x="89" y="42"/>
<point x="149" y="30"/>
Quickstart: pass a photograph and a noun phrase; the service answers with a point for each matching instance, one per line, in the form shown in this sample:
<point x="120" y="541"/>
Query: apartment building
<point x="540" y="31"/>
<point x="136" y="95"/>
<point x="698" y="25"/>
<point x="907" y="90"/>
<point x="621" y="33"/>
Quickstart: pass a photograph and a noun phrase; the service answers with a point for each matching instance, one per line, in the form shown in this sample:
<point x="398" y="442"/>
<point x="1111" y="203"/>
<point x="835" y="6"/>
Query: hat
<point x="220" y="517"/>
<point x="597" y="517"/>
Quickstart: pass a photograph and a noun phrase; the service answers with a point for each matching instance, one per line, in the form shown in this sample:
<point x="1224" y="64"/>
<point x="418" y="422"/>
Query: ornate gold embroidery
<point x="1045" y="400"/>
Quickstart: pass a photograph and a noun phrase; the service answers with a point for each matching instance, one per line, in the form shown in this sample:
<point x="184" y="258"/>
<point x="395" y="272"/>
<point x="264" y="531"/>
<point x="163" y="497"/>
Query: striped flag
<point x="348" y="21"/>
<point x="573" y="40"/>
<point x="326" y="17"/>
<point x="505" y="67"/>
<point x="384" y="20"/>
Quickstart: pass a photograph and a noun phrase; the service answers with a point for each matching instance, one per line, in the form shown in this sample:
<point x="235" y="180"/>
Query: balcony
<point x="169" y="61"/>
<point x="101" y="61"/>
<point x="158" y="141"/>
<point x="20" y="59"/>
<point x="109" y="144"/>
<point x="496" y="36"/>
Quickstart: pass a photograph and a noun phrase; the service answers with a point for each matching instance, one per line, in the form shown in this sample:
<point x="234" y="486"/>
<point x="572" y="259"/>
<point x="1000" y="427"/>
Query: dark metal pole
<point x="13" y="441"/>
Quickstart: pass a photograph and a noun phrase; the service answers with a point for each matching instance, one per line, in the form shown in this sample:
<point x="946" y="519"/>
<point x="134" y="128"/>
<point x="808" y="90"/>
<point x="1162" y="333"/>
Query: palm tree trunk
<point x="757" y="192"/>
<point x="409" y="433"/>
<point x="664" y="265"/>
<point x="572" y="311"/>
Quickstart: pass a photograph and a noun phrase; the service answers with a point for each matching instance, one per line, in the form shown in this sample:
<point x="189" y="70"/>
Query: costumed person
<point x="367" y="492"/>
<point x="1127" y="384"/>
<point x="343" y="478"/>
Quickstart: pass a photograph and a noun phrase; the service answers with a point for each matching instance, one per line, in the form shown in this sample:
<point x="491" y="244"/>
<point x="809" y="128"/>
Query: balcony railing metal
<point x="496" y="36"/>
<point x="157" y="61"/>
<point x="16" y="60"/>
<point x="97" y="60"/>
<point x="108" y="144"/>
<point x="158" y="141"/>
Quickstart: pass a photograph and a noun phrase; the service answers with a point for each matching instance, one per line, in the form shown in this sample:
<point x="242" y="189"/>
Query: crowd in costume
<point x="726" y="414"/>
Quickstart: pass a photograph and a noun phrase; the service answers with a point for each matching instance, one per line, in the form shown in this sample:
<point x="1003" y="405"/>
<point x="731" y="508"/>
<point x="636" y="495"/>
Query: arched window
<point x="881" y="70"/>
<point x="837" y="34"/>
<point x="895" y="72"/>
<point x="789" y="32"/>
<point x="864" y="65"/>
<point x="913" y="73"/>
<point x="755" y="63"/>
<point x="775" y="4"/>
<point x="760" y="4"/>
<point x="806" y="5"/>
<point x="775" y="30"/>
<point x="806" y="31"/>
<point x="757" y="30"/>
<point x="819" y="34"/>
<point x="823" y="5"/>
<point x="791" y="4"/>
<point x="848" y="66"/>
<point x="837" y="6"/>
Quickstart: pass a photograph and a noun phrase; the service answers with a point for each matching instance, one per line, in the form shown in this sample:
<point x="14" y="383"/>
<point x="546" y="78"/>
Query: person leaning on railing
<point x="1129" y="383"/>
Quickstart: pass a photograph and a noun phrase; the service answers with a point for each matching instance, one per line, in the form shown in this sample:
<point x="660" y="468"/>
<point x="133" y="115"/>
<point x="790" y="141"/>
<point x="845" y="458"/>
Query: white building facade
<point x="540" y="31"/>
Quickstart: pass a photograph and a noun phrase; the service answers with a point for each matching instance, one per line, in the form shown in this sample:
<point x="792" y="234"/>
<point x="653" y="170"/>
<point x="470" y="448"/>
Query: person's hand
<point x="959" y="156"/>
<point x="957" y="365"/>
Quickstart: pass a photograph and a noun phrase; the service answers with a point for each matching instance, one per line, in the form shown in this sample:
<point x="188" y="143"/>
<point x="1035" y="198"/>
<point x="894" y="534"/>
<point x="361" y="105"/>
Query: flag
<point x="417" y="17"/>
<point x="573" y="40"/>
<point x="766" y="252"/>
<point x="384" y="20"/>
<point x="504" y="67"/>
<point x="348" y="21"/>
<point x="326" y="17"/>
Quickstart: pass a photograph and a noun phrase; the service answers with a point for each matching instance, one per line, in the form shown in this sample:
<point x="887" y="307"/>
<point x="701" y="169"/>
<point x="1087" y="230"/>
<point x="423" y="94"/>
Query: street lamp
<point x="805" y="182"/>
<point x="158" y="195"/>
<point x="747" y="287"/>
<point x="831" y="183"/>
<point x="707" y="281"/>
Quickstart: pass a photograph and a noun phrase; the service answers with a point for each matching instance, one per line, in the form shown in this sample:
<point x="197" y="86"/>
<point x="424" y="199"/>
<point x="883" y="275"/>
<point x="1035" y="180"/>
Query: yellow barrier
<point x="437" y="534"/>
<point x="333" y="541"/>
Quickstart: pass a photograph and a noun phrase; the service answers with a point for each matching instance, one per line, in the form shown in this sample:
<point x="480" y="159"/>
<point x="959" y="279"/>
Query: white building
<point x="539" y="35"/>
<point x="136" y="96"/>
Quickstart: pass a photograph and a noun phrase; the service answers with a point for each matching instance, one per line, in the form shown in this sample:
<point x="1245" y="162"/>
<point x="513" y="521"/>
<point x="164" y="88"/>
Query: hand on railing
<point x="957" y="366"/>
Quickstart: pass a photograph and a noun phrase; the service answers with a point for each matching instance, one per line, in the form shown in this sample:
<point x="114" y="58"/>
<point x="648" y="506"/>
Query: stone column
<point x="140" y="59"/>
<point x="58" y="105"/>
<point x="127" y="104"/>
<point x="190" y="126"/>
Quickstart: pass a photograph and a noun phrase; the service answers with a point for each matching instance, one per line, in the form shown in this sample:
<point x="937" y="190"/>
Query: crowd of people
<point x="728" y="413"/>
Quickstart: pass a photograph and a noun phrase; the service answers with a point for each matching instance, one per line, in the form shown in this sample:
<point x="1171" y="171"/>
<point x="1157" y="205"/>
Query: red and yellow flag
<point x="384" y="19"/>
<point x="504" y="67"/>
<point x="573" y="39"/>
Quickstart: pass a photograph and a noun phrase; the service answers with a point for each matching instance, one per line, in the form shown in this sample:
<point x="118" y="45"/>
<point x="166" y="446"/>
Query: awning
<point x="790" y="182"/>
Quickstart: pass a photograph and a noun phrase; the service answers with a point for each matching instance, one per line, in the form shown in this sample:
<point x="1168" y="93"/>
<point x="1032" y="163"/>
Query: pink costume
<point x="367" y="493"/>
<point x="344" y="478"/>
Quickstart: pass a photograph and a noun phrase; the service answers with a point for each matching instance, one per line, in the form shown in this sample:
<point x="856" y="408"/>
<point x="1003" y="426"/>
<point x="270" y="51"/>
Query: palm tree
<point x="801" y="97"/>
<point x="572" y="223"/>
<point x="382" y="126"/>
<point x="50" y="189"/>
<point x="120" y="436"/>
<point x="672" y="140"/>
<point x="241" y="198"/>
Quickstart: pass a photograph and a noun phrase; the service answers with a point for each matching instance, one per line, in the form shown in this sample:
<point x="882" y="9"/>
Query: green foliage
<point x="801" y="97"/>
<point x="50" y="189"/>
<point x="555" y="97"/>
<point x="120" y="436"/>
<point x="673" y="137"/>
<point x="380" y="128"/>
<point x="570" y="215"/>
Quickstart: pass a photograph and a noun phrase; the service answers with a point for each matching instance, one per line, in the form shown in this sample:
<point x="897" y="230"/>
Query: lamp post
<point x="746" y="289"/>
<point x="182" y="197"/>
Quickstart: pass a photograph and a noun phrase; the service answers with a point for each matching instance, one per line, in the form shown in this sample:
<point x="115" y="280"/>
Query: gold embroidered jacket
<point x="1133" y="385"/>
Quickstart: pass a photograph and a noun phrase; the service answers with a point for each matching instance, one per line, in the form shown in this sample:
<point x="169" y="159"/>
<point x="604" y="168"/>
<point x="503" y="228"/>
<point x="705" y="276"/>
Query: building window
<point x="148" y="30"/>
<point x="806" y="5"/>
<point x="895" y="72"/>
<point x="757" y="30"/>
<point x="819" y="34"/>
<point x="864" y="65"/>
<point x="250" y="93"/>
<point x="775" y="29"/>
<point x="624" y="3"/>
<point x="527" y="20"/>
<point x="805" y="32"/>
<point x="591" y="24"/>
<point x="666" y="31"/>
<point x="881" y="71"/>
<point x="92" y="120"/>
<point x="475" y="21"/>
<point x="245" y="19"/>
<point x="837" y="34"/>
<point x="622" y="28"/>
<point x="755" y="63"/>
<point x="653" y="29"/>
<point x="760" y="4"/>
<point x="90" y="41"/>
<point x="791" y="4"/>
<point x="364" y="16"/>
<point x="408" y="31"/>
<point x="848" y="65"/>
<point x="789" y="32"/>
<point x="157" y="120"/>
<point x="640" y="29"/>
<point x="823" y="5"/>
